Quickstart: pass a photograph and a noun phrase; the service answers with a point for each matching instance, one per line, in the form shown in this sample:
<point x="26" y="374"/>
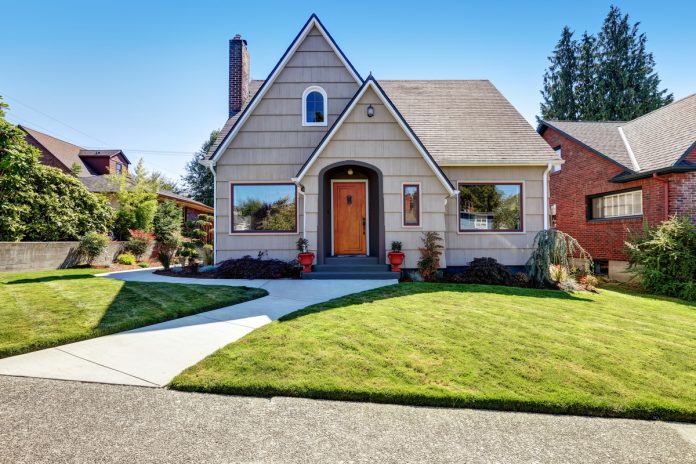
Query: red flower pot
<point x="306" y="260"/>
<point x="396" y="259"/>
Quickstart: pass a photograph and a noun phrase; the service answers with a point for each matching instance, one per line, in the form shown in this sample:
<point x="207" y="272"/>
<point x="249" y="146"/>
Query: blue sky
<point x="151" y="77"/>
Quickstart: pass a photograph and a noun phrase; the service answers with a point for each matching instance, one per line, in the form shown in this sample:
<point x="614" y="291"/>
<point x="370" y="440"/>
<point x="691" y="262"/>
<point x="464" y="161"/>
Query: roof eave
<point x="628" y="177"/>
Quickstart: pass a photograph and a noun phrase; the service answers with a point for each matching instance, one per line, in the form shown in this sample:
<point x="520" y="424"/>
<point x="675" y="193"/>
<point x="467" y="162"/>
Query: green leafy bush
<point x="139" y="242"/>
<point x="167" y="221"/>
<point x="126" y="258"/>
<point x="166" y="249"/>
<point x="665" y="258"/>
<point x="143" y="265"/>
<point x="208" y="255"/>
<point x="41" y="203"/>
<point x="93" y="245"/>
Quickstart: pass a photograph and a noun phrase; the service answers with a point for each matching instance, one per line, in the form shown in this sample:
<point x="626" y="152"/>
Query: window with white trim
<point x="559" y="154"/>
<point x="314" y="106"/>
<point x="616" y="205"/>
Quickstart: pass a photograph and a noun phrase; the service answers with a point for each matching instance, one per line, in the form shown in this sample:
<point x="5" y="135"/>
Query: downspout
<point x="304" y="211"/>
<point x="211" y="166"/>
<point x="665" y="194"/>
<point x="545" y="183"/>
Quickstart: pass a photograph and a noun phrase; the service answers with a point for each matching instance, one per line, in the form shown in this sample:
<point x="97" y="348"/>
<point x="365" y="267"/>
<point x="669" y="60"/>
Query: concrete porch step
<point x="351" y="260"/>
<point x="351" y="267"/>
<point x="385" y="275"/>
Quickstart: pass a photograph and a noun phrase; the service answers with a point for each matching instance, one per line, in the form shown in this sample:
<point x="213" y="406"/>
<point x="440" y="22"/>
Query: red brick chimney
<point x="239" y="74"/>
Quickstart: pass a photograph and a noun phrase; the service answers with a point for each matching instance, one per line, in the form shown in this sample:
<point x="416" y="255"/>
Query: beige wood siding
<point x="380" y="142"/>
<point x="272" y="144"/>
<point x="509" y="248"/>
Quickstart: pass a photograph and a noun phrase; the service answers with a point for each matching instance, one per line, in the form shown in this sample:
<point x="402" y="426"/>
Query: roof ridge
<point x="661" y="108"/>
<point x="25" y="128"/>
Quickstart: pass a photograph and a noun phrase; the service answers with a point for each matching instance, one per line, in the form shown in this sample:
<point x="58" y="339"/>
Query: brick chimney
<point x="239" y="74"/>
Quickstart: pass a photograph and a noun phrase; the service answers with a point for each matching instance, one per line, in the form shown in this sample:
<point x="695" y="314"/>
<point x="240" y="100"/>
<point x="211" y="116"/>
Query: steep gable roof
<point x="67" y="153"/>
<point x="312" y="22"/>
<point x="657" y="140"/>
<point x="371" y="83"/>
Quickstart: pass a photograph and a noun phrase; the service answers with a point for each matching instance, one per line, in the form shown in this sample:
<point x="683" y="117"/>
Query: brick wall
<point x="585" y="173"/>
<point x="239" y="75"/>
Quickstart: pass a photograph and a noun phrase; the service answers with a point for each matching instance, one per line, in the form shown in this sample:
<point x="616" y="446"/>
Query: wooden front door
<point x="350" y="218"/>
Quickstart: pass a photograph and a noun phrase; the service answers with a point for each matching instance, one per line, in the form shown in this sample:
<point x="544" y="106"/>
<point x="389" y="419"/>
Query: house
<point x="353" y="163"/>
<point x="619" y="175"/>
<point x="93" y="166"/>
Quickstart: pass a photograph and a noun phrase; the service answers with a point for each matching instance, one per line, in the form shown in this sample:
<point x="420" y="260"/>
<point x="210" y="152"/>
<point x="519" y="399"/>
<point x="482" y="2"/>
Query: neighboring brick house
<point x="92" y="167"/>
<point x="617" y="176"/>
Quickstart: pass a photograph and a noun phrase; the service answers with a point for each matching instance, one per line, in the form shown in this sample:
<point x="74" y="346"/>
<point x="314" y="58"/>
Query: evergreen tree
<point x="198" y="180"/>
<point x="610" y="77"/>
<point x="559" y="80"/>
<point x="588" y="100"/>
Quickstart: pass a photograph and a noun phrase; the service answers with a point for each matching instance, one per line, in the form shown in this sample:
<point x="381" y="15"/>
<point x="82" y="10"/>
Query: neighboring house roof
<point x="101" y="153"/>
<point x="111" y="184"/>
<point x="658" y="140"/>
<point x="65" y="152"/>
<point x="372" y="83"/>
<point x="312" y="23"/>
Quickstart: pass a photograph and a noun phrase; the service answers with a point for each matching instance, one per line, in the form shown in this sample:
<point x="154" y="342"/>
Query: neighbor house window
<point x="314" y="105"/>
<point x="264" y="208"/>
<point x="411" y="205"/>
<point x="616" y="205"/>
<point x="490" y="207"/>
<point x="559" y="154"/>
<point x="119" y="168"/>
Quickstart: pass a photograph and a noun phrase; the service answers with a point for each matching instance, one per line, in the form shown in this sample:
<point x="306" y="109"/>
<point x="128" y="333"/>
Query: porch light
<point x="370" y="111"/>
<point x="350" y="172"/>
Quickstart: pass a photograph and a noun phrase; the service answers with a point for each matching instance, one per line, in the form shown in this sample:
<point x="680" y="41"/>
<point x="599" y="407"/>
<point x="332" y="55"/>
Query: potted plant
<point x="396" y="256"/>
<point x="305" y="257"/>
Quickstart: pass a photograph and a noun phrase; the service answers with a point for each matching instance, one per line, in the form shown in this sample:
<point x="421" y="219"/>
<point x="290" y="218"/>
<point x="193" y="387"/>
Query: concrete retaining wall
<point x="32" y="256"/>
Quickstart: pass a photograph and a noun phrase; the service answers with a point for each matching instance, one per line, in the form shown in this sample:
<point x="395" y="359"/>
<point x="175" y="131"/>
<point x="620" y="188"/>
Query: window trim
<point x="588" y="205"/>
<point x="118" y="167"/>
<point x="231" y="231"/>
<point x="523" y="222"/>
<point x="307" y="91"/>
<point x="420" y="204"/>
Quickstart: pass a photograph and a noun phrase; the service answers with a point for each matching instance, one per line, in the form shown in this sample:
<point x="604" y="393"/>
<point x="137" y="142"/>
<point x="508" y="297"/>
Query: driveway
<point x="54" y="421"/>
<point x="153" y="355"/>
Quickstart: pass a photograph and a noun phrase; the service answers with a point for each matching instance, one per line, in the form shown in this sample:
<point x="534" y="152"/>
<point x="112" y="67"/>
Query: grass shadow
<point x="640" y="293"/>
<point x="44" y="279"/>
<point x="414" y="288"/>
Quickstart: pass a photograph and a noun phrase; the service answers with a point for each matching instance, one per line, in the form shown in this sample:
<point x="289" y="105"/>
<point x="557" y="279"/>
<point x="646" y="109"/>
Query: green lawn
<point x="49" y="308"/>
<point x="610" y="354"/>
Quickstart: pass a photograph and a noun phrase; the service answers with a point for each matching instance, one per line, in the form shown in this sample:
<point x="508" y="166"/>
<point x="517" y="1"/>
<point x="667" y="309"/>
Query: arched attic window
<point x="314" y="106"/>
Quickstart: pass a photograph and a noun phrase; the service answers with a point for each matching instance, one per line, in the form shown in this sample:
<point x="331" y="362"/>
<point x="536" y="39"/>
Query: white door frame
<point x="367" y="213"/>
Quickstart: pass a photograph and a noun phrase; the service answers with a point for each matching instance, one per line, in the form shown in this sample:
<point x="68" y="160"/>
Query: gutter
<point x="621" y="178"/>
<point x="545" y="184"/>
<point x="211" y="165"/>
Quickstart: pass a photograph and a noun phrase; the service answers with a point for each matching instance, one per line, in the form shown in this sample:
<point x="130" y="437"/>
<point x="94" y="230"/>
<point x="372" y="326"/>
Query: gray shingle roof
<point x="658" y="139"/>
<point x="661" y="137"/>
<point x="603" y="137"/>
<point x="254" y="87"/>
<point x="458" y="121"/>
<point x="465" y="121"/>
<point x="67" y="153"/>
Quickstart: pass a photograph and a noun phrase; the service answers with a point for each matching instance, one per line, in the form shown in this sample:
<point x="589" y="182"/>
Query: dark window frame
<point x="403" y="206"/>
<point x="263" y="232"/>
<point x="488" y="231"/>
<point x="588" y="205"/>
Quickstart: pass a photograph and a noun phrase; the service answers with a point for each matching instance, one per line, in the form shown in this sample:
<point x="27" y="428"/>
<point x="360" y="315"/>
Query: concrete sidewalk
<point x="52" y="421"/>
<point x="153" y="355"/>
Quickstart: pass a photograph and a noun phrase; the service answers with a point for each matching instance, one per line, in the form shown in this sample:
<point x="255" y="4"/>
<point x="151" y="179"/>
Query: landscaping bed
<point x="49" y="308"/>
<point x="612" y="353"/>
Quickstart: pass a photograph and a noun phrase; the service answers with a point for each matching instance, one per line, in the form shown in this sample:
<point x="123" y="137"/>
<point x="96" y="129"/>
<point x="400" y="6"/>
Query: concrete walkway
<point x="153" y="355"/>
<point x="53" y="421"/>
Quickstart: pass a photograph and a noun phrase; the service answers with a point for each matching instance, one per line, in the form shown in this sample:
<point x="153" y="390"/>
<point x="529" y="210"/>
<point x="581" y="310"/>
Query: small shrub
<point x="520" y="279"/>
<point x="302" y="245"/>
<point x="93" y="245"/>
<point x="486" y="271"/>
<point x="589" y="282"/>
<point x="558" y="273"/>
<point x="208" y="268"/>
<point x="139" y="242"/>
<point x="254" y="268"/>
<point x="143" y="265"/>
<point x="126" y="259"/>
<point x="166" y="249"/>
<point x="208" y="255"/>
<point x="396" y="247"/>
<point x="429" y="262"/>
<point x="665" y="258"/>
